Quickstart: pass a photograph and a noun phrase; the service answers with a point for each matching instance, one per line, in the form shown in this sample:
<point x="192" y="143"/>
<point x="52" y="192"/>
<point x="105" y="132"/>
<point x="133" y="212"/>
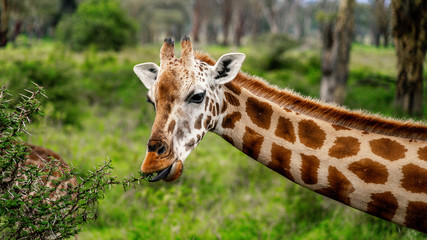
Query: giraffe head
<point x="186" y="95"/>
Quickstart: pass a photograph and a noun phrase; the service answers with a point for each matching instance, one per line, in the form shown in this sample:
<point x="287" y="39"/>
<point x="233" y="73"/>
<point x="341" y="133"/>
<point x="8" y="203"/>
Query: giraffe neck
<point x="382" y="175"/>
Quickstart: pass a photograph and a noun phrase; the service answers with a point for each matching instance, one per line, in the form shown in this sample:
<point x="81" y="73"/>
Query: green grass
<point x="222" y="194"/>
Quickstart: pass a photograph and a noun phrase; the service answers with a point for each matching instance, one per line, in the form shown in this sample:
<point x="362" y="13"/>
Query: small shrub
<point x="102" y="23"/>
<point x="32" y="207"/>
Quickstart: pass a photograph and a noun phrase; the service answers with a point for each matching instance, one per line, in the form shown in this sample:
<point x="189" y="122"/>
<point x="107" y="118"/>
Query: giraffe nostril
<point x="157" y="146"/>
<point x="161" y="150"/>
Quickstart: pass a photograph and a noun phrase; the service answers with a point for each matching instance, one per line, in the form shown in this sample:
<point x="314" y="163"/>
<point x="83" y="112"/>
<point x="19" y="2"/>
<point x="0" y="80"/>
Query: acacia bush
<point x="102" y="23"/>
<point x="28" y="209"/>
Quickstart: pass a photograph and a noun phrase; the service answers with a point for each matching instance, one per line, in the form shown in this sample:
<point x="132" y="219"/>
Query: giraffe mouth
<point x="168" y="174"/>
<point x="161" y="174"/>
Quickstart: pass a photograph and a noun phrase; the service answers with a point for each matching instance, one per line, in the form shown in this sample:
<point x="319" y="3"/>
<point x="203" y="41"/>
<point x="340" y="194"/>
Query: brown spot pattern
<point x="285" y="130"/>
<point x="281" y="160"/>
<point x="224" y="107"/>
<point x="206" y="103"/>
<point x="207" y="122"/>
<point x="414" y="178"/>
<point x="179" y="134"/>
<point x="338" y="127"/>
<point x="210" y="107"/>
<point x="230" y="120"/>
<point x="171" y="126"/>
<point x="198" y="124"/>
<point x="186" y="125"/>
<point x="190" y="145"/>
<point x="310" y="166"/>
<point x="252" y="142"/>
<point x="388" y="149"/>
<point x="339" y="186"/>
<point x="259" y="112"/>
<point x="231" y="99"/>
<point x="369" y="171"/>
<point x="310" y="134"/>
<point x="344" y="147"/>
<point x="383" y="205"/>
<point x="228" y="139"/>
<point x="422" y="153"/>
<point x="416" y="213"/>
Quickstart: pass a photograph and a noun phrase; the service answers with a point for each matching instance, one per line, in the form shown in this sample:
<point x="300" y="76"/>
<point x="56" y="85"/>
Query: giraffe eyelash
<point x="196" y="98"/>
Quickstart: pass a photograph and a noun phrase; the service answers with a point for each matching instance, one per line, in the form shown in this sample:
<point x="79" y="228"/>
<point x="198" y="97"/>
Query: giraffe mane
<point x="357" y="119"/>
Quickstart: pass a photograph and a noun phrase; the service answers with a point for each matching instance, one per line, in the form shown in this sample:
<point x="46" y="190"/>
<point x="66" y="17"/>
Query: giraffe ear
<point x="147" y="73"/>
<point x="227" y="67"/>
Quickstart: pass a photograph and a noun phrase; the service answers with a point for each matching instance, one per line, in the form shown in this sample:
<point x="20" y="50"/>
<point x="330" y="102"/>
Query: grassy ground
<point x="222" y="194"/>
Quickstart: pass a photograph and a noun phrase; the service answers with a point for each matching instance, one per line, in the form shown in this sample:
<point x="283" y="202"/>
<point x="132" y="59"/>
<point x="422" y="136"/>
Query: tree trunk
<point x="242" y="11"/>
<point x="409" y="33"/>
<point x="16" y="30"/>
<point x="227" y="12"/>
<point x="336" y="54"/>
<point x="4" y="22"/>
<point x="381" y="18"/>
<point x="211" y="33"/>
<point x="271" y="9"/>
<point x="197" y="20"/>
<point x="327" y="84"/>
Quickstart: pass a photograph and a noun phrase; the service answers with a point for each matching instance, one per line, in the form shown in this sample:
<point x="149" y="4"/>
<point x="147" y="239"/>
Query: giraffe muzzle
<point x="161" y="174"/>
<point x="170" y="173"/>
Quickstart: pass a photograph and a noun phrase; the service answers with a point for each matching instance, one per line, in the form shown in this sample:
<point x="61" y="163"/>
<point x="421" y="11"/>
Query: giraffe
<point x="40" y="156"/>
<point x="371" y="163"/>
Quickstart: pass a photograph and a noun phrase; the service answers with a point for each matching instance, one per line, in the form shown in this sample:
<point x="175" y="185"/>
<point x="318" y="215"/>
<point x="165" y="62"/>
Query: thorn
<point x="24" y="96"/>
<point x="44" y="95"/>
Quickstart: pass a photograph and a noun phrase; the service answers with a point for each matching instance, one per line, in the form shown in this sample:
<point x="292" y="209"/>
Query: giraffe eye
<point x="197" y="98"/>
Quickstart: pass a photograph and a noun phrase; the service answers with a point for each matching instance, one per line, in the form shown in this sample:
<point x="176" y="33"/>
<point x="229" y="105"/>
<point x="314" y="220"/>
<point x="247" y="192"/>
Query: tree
<point x="336" y="52"/>
<point x="243" y="12"/>
<point x="280" y="14"/>
<point x="4" y="22"/>
<point x="102" y="23"/>
<point x="227" y="13"/>
<point x="204" y="15"/>
<point x="35" y="16"/>
<point x="159" y="18"/>
<point x="197" y="19"/>
<point x="381" y="19"/>
<point x="409" y="25"/>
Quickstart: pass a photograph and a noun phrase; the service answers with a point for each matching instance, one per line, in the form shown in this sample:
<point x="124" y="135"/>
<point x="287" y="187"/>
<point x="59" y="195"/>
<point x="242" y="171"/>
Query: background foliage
<point x="101" y="23"/>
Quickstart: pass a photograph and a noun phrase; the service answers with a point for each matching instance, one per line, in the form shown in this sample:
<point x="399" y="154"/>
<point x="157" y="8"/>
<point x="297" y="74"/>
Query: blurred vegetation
<point x="100" y="23"/>
<point x="222" y="193"/>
